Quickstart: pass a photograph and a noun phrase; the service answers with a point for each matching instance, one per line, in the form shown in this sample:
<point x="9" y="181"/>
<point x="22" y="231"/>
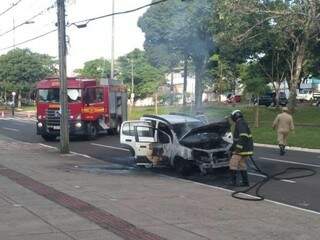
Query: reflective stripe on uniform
<point x="245" y="153"/>
<point x="245" y="135"/>
<point x="239" y="146"/>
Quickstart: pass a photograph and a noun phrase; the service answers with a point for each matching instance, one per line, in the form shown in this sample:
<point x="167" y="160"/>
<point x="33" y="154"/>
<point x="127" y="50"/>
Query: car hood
<point x="208" y="136"/>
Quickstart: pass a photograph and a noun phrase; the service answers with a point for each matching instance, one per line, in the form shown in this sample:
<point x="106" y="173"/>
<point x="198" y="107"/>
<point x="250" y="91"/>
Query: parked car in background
<point x="269" y="99"/>
<point x="304" y="95"/>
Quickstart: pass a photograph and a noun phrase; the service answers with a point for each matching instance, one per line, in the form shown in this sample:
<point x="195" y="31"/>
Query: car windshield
<point x="182" y="128"/>
<point x="52" y="95"/>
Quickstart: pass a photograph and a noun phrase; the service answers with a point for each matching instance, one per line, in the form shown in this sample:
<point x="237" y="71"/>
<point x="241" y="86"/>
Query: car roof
<point x="173" y="119"/>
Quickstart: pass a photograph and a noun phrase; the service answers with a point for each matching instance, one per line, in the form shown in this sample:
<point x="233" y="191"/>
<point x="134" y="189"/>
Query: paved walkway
<point x="44" y="195"/>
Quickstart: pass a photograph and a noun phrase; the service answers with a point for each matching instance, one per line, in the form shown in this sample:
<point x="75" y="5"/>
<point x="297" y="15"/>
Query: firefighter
<point x="284" y="124"/>
<point x="242" y="149"/>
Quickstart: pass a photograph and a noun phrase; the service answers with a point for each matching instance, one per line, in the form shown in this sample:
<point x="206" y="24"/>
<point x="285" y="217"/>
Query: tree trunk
<point x="185" y="80"/>
<point x="19" y="99"/>
<point x="256" y="121"/>
<point x="199" y="70"/>
<point x="171" y="89"/>
<point x="295" y="76"/>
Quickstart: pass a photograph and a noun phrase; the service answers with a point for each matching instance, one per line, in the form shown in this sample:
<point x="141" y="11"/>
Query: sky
<point x="85" y="44"/>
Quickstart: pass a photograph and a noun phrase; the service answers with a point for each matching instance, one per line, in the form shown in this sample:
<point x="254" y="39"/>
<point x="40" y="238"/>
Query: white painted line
<point x="289" y="148"/>
<point x="82" y="155"/>
<point x="285" y="161"/>
<point x="11" y="129"/>
<point x="47" y="146"/>
<point x="260" y="175"/>
<point x="111" y="147"/>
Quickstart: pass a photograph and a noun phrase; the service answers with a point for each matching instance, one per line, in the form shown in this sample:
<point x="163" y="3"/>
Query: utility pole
<point x="112" y="43"/>
<point x="132" y="84"/>
<point x="64" y="125"/>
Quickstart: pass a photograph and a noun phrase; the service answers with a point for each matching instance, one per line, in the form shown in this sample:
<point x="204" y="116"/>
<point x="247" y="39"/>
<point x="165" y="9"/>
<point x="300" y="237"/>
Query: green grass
<point x="306" y="119"/>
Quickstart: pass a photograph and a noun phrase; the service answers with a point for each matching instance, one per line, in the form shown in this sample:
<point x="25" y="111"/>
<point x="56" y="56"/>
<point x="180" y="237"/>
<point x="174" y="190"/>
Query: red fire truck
<point x="93" y="108"/>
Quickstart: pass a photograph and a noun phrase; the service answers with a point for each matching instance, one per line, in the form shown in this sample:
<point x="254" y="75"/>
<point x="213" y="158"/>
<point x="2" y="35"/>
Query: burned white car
<point x="178" y="141"/>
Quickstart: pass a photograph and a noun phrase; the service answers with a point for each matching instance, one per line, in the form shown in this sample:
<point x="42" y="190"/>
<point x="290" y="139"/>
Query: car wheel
<point x="92" y="131"/>
<point x="183" y="167"/>
<point x="48" y="138"/>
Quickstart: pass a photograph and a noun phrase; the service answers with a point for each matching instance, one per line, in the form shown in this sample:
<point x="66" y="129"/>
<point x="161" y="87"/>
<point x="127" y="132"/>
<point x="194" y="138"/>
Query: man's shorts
<point x="238" y="162"/>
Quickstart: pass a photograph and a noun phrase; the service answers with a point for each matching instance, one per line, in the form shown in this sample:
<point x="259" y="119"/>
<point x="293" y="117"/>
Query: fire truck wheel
<point x="92" y="131"/>
<point x="48" y="138"/>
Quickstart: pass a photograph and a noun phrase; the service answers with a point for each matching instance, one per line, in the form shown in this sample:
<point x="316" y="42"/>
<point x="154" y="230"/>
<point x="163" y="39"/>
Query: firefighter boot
<point x="282" y="152"/>
<point x="233" y="178"/>
<point x="245" y="179"/>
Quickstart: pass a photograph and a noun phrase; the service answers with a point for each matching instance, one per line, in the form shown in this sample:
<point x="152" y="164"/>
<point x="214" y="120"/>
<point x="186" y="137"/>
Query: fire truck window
<point x="94" y="95"/>
<point x="74" y="95"/>
<point x="48" y="95"/>
<point x="99" y="92"/>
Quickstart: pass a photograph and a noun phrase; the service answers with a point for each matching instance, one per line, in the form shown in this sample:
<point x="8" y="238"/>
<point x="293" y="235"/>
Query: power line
<point x="86" y="21"/>
<point x="29" y="40"/>
<point x="12" y="6"/>
<point x="28" y="20"/>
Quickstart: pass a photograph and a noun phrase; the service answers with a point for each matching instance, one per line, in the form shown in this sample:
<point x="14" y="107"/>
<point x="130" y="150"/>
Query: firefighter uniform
<point x="284" y="124"/>
<point x="242" y="148"/>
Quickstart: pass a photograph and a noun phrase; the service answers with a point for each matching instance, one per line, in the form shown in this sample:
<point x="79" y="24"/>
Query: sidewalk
<point x="46" y="196"/>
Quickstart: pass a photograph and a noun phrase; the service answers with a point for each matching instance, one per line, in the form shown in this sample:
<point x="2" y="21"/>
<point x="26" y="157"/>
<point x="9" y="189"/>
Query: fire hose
<point x="267" y="177"/>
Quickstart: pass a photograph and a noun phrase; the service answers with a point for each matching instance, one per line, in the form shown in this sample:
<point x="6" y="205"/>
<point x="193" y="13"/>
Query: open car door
<point x="141" y="138"/>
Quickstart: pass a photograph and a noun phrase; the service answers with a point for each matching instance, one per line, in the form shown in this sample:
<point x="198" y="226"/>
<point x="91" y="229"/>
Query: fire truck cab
<point x="93" y="108"/>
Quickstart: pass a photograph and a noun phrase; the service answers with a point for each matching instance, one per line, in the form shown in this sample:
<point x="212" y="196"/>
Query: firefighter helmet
<point x="236" y="114"/>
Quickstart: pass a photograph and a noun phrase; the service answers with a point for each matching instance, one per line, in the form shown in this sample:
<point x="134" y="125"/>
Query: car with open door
<point x="178" y="141"/>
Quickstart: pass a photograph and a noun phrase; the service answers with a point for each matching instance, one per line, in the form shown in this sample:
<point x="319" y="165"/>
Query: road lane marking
<point x="231" y="191"/>
<point x="106" y="146"/>
<point x="47" y="146"/>
<point x="260" y="175"/>
<point x="285" y="161"/>
<point x="218" y="188"/>
<point x="11" y="129"/>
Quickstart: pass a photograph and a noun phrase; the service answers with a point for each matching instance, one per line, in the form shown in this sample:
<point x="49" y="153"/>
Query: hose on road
<point x="258" y="186"/>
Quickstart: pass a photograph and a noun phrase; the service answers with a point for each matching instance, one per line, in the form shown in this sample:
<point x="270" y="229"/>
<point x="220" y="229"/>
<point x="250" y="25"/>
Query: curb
<point x="289" y="148"/>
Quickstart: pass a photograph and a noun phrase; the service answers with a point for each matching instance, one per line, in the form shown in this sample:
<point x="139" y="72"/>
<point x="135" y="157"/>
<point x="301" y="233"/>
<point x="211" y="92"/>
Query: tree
<point x="20" y="69"/>
<point x="249" y="23"/>
<point x="181" y="29"/>
<point x="147" y="78"/>
<point x="255" y="83"/>
<point x="97" y="68"/>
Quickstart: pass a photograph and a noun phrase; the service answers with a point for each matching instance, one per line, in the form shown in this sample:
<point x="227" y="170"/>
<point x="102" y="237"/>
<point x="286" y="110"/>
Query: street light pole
<point x="64" y="127"/>
<point x="112" y="43"/>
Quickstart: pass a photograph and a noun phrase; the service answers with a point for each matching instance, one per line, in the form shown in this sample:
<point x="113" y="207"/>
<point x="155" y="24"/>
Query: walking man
<point x="283" y="123"/>
<point x="242" y="149"/>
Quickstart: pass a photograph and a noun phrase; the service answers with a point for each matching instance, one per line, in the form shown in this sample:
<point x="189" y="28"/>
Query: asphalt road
<point x="303" y="192"/>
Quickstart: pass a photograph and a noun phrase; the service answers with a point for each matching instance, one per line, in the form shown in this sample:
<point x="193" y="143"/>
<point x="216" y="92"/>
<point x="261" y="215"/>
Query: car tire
<point x="48" y="138"/>
<point x="182" y="167"/>
<point x="92" y="131"/>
